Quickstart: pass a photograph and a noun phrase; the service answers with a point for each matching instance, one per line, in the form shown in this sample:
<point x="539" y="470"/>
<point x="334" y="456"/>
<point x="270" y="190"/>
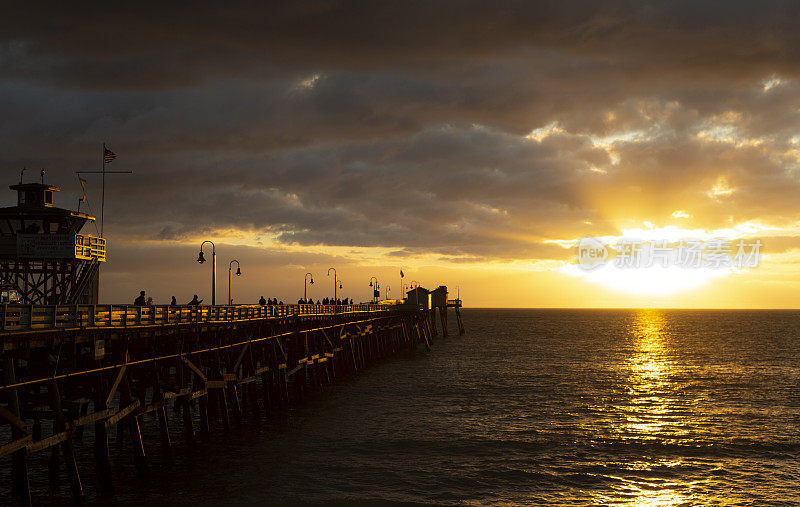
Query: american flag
<point x="108" y="155"/>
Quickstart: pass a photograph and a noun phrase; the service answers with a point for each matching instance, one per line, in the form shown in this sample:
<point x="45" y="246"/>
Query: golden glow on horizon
<point x="658" y="280"/>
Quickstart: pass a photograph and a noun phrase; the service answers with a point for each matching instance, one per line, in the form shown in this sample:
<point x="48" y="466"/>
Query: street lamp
<point x="202" y="259"/>
<point x="335" y="282"/>
<point x="414" y="284"/>
<point x="238" y="273"/>
<point x="305" y="291"/>
<point x="376" y="288"/>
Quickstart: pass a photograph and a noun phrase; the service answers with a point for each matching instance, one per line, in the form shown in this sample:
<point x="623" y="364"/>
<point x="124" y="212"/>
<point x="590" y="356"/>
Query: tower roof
<point x="34" y="187"/>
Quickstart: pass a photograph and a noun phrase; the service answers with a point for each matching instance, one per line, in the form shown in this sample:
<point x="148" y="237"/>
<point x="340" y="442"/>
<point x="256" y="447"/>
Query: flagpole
<point x="103" y="193"/>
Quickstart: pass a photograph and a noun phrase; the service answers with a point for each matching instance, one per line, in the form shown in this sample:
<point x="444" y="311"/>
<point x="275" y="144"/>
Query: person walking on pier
<point x="141" y="300"/>
<point x="195" y="301"/>
<point x="262" y="301"/>
<point x="174" y="302"/>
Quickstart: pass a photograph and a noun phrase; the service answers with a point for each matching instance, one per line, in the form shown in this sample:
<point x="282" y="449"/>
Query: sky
<point x="470" y="144"/>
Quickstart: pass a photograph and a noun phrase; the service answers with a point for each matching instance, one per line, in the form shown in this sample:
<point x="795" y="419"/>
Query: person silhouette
<point x="141" y="300"/>
<point x="174" y="302"/>
<point x="262" y="301"/>
<point x="195" y="301"/>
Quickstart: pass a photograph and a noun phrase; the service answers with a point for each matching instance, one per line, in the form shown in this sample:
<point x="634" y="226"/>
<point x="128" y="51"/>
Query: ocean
<point x="562" y="407"/>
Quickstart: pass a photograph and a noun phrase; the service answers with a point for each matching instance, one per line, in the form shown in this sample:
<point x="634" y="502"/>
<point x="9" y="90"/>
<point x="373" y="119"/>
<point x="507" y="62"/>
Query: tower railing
<point x="90" y="247"/>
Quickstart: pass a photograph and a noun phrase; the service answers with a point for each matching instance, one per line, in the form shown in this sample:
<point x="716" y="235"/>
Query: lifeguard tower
<point x="44" y="258"/>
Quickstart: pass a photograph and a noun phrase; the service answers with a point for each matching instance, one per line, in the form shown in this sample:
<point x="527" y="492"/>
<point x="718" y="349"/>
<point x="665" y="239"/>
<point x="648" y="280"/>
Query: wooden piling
<point x="20" y="483"/>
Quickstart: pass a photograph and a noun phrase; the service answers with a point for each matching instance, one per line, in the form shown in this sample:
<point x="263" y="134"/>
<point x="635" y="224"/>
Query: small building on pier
<point x="439" y="297"/>
<point x="419" y="296"/>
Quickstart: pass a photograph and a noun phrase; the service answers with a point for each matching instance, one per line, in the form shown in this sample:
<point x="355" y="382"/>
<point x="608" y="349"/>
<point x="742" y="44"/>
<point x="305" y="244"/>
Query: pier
<point x="66" y="368"/>
<point x="69" y="364"/>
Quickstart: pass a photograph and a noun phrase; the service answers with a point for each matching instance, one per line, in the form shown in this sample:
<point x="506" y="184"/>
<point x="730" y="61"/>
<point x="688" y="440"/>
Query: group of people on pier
<point x="326" y="301"/>
<point x="144" y="300"/>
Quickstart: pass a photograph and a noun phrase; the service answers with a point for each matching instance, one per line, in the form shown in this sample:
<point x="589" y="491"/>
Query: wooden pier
<point x="72" y="367"/>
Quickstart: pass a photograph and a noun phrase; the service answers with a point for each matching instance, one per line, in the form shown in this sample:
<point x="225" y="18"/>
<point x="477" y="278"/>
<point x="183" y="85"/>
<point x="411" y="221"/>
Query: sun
<point x="655" y="278"/>
<point x="652" y="281"/>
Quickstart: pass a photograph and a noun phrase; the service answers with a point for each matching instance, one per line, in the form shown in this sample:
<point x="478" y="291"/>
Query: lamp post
<point x="335" y="282"/>
<point x="376" y="288"/>
<point x="202" y="259"/>
<point x="414" y="284"/>
<point x="305" y="291"/>
<point x="238" y="273"/>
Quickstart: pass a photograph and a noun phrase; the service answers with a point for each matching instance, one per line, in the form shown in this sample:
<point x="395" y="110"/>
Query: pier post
<point x="20" y="484"/>
<point x="185" y="401"/>
<point x="460" y="323"/>
<point x="161" y="411"/>
<point x="102" y="459"/>
<point x="132" y="420"/>
<point x="59" y="426"/>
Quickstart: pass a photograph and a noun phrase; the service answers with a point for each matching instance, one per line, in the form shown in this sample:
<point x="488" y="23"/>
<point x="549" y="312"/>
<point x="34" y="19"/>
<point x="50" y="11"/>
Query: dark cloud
<point x="404" y="125"/>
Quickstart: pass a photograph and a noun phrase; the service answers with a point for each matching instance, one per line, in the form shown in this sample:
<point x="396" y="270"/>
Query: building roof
<point x="418" y="289"/>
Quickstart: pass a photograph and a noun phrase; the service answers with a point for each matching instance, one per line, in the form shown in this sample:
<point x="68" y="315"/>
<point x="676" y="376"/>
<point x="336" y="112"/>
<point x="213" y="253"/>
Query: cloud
<point x="470" y="135"/>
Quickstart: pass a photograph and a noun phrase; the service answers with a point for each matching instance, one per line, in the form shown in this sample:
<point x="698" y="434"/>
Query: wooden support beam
<point x="194" y="368"/>
<point x="14" y="420"/>
<point x="240" y="357"/>
<point x="115" y="385"/>
<point x="117" y="417"/>
<point x="90" y="418"/>
<point x="15" y="445"/>
<point x="48" y="442"/>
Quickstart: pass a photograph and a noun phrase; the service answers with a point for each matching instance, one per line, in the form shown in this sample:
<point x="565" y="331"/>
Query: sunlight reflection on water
<point x="650" y="409"/>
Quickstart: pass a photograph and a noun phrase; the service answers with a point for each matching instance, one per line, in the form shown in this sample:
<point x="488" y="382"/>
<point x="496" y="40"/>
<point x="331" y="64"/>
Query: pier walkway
<point x="16" y="318"/>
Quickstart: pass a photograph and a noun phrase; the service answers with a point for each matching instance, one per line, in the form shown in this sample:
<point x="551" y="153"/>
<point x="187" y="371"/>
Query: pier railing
<point x="17" y="317"/>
